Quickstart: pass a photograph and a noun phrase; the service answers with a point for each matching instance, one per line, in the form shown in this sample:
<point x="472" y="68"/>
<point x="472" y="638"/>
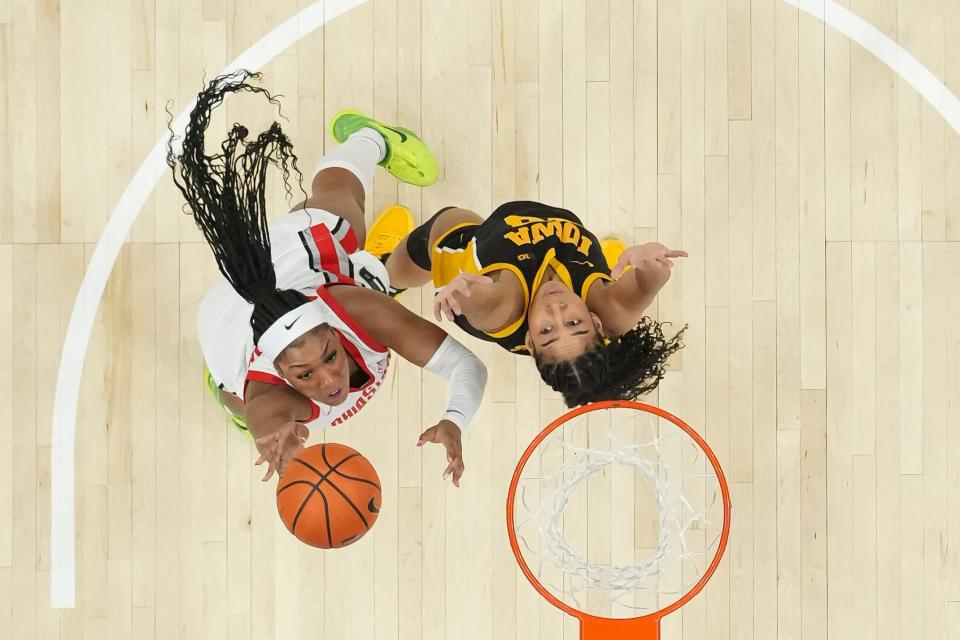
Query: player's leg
<point x="344" y="176"/>
<point x="231" y="404"/>
<point x="411" y="262"/>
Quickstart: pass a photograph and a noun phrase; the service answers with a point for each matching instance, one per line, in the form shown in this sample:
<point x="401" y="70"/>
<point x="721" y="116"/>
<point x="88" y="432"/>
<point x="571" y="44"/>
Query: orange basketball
<point x="329" y="496"/>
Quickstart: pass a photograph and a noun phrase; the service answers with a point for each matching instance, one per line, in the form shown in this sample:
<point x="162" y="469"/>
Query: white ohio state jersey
<point x="312" y="250"/>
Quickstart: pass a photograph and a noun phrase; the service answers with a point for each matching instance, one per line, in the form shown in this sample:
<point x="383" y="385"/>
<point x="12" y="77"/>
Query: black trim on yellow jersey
<point x="526" y="238"/>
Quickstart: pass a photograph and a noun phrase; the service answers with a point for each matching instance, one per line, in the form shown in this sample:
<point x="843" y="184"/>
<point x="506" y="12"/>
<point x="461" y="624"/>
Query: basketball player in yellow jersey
<point x="534" y="280"/>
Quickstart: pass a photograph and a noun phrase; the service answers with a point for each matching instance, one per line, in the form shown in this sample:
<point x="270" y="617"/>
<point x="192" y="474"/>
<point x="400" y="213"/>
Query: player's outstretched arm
<point x="426" y="345"/>
<point x="273" y="413"/>
<point x="482" y="300"/>
<point x="639" y="274"/>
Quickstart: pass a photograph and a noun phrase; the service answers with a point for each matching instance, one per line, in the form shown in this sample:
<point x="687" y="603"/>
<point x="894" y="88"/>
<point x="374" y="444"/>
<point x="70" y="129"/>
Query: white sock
<point x="359" y="154"/>
<point x="373" y="136"/>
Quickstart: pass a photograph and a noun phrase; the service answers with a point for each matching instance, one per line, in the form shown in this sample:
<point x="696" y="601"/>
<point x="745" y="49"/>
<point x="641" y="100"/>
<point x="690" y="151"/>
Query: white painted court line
<point x="62" y="521"/>
<point x="888" y="52"/>
<point x="63" y="439"/>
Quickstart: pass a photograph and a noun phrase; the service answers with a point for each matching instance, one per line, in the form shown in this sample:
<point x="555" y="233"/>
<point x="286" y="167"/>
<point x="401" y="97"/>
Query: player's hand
<point x="446" y="302"/>
<point x="280" y="447"/>
<point x="651" y="255"/>
<point x="447" y="434"/>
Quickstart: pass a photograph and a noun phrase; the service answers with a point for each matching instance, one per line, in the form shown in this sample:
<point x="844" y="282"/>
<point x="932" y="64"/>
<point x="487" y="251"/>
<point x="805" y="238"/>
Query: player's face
<point x="560" y="326"/>
<point x="318" y="367"/>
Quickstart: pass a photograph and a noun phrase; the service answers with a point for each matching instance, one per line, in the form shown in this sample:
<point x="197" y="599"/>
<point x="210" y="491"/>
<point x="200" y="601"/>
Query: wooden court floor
<point x="817" y="194"/>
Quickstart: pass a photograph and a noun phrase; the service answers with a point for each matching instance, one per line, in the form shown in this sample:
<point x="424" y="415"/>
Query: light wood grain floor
<point x="816" y="192"/>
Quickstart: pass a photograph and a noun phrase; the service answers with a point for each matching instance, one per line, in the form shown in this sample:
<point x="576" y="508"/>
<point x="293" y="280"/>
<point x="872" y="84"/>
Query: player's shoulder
<point x="269" y="391"/>
<point x="370" y="314"/>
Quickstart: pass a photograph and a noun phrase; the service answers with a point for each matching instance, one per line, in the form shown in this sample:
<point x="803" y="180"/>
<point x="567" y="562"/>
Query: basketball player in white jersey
<point x="299" y="333"/>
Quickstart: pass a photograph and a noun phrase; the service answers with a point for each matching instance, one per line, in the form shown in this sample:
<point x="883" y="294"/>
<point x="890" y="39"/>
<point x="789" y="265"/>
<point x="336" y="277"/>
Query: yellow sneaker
<point x="408" y="157"/>
<point x="612" y="248"/>
<point x="392" y="225"/>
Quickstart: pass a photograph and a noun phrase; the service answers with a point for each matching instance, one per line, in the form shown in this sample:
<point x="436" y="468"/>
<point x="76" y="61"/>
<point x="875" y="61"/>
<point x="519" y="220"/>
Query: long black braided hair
<point x="621" y="369"/>
<point x="225" y="194"/>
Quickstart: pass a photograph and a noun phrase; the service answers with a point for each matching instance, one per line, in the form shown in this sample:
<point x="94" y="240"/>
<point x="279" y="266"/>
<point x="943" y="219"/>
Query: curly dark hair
<point x="225" y="194"/>
<point x="622" y="369"/>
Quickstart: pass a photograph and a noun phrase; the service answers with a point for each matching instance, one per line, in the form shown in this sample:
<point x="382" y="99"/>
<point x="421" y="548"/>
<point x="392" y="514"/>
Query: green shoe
<point x="408" y="157"/>
<point x="215" y="390"/>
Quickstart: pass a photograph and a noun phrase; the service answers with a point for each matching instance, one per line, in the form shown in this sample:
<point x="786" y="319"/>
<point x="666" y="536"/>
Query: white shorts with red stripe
<point x="311" y="249"/>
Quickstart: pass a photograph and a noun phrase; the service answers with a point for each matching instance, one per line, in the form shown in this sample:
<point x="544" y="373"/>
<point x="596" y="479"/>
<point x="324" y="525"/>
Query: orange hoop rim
<point x="619" y="404"/>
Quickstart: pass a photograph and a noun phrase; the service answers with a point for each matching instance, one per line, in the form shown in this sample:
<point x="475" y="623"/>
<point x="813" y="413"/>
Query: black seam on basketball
<point x="336" y="470"/>
<point x="349" y="477"/>
<point x="303" y="503"/>
<point x="326" y="516"/>
<point x="350" y="502"/>
<point x="332" y="467"/>
<point x="323" y="454"/>
<point x="324" y="477"/>
<point x="295" y="482"/>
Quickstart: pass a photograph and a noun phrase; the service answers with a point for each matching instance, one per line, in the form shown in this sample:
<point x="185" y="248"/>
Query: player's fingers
<point x="677" y="253"/>
<point x="268" y="450"/>
<point x="454" y="305"/>
<point x="445" y="306"/>
<point x="430" y="435"/>
<point x="457" y="472"/>
<point x="268" y="473"/>
<point x="476" y="277"/>
<point x="286" y="460"/>
<point x="441" y="308"/>
<point x="292" y="452"/>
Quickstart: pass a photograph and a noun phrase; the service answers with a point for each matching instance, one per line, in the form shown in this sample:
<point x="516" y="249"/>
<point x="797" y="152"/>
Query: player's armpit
<point x="391" y="324"/>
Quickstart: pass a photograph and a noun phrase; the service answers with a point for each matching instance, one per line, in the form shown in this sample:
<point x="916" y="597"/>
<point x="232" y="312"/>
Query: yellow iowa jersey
<point x="525" y="238"/>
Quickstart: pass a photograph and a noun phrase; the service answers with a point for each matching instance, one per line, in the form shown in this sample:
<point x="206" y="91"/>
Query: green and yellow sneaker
<point x="214" y="389"/>
<point x="408" y="158"/>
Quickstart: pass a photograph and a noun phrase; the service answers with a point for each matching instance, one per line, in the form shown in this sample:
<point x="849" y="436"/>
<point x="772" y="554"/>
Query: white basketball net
<point x="618" y="513"/>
